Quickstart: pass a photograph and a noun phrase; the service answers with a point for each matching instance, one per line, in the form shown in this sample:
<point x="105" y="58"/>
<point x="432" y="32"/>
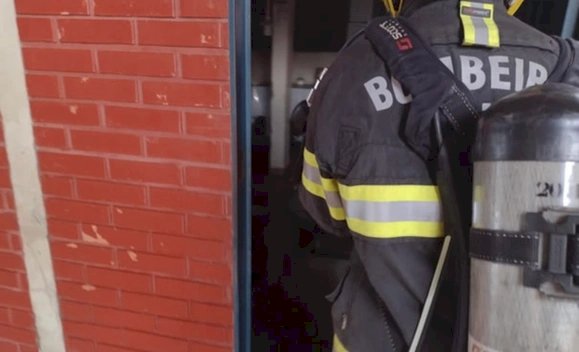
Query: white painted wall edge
<point x="20" y="147"/>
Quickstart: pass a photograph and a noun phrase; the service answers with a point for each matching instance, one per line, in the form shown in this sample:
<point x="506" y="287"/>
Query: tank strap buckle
<point x="557" y="273"/>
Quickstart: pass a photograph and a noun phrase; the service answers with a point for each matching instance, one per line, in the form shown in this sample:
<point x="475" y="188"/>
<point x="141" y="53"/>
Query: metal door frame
<point x="240" y="66"/>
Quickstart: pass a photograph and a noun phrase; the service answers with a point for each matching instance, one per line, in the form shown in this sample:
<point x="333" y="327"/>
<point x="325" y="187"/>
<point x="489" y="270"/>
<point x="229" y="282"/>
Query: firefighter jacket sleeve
<point x="360" y="179"/>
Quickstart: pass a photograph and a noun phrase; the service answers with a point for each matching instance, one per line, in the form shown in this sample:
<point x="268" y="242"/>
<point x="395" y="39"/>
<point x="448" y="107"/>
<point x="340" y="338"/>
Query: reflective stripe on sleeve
<point x="377" y="211"/>
<point x="338" y="346"/>
<point x="393" y="211"/>
<point x="322" y="187"/>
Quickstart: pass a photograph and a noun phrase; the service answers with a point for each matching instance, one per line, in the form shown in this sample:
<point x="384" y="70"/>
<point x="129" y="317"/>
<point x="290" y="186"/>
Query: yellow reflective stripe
<point x="337" y="214"/>
<point x="494" y="40"/>
<point x="328" y="184"/>
<point x="515" y="7"/>
<point x="396" y="229"/>
<point x="313" y="187"/>
<point x="310" y="158"/>
<point x="338" y="346"/>
<point x="390" y="193"/>
<point x="468" y="25"/>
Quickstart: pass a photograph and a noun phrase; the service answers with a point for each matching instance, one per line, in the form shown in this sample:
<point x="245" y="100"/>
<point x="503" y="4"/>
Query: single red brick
<point x="110" y="192"/>
<point x="196" y="8"/>
<point x="154" y="305"/>
<point x="143" y="8"/>
<point x="138" y="171"/>
<point x="76" y="311"/>
<point x="207" y="67"/>
<point x="77" y="345"/>
<point x="5" y="181"/>
<point x="194" y="291"/>
<point x="151" y="263"/>
<point x="63" y="229"/>
<point x="7" y="346"/>
<point x="106" y="142"/>
<point x="198" y="347"/>
<point x="209" y="227"/>
<point x="148" y="220"/>
<point x="217" y="179"/>
<point x="190" y="247"/>
<point x="42" y="86"/>
<point x="87" y="293"/>
<point x="195" y="331"/>
<point x="184" y="149"/>
<point x="57" y="59"/>
<point x="3" y="156"/>
<point x="4" y="316"/>
<point x="178" y="199"/>
<point x="5" y="241"/>
<point x="61" y="7"/>
<point x="95" y="31"/>
<point x="224" y="35"/>
<point x="68" y="271"/>
<point x="185" y="34"/>
<point x="225" y="97"/>
<point x="77" y="211"/>
<point x="142" y="119"/>
<point x="50" y="137"/>
<point x="9" y="279"/>
<point x="208" y="125"/>
<point x="100" y="89"/>
<point x="108" y="348"/>
<point x="212" y="314"/>
<point x="212" y="273"/>
<point x="16" y="242"/>
<point x="82" y="253"/>
<point x="18" y="335"/>
<point x="56" y="185"/>
<point x="65" y="113"/>
<point x="182" y="94"/>
<point x="33" y="29"/>
<point x="119" y="279"/>
<point x="8" y="222"/>
<point x="28" y="348"/>
<point x="67" y="164"/>
<point x="22" y="319"/>
<point x="137" y="63"/>
<point x="125" y="239"/>
<point x="9" y="200"/>
<point x="93" y="332"/>
<point x="124" y="319"/>
<point x="14" y="298"/>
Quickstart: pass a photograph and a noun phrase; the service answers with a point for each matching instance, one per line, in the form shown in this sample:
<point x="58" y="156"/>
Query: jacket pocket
<point x="335" y="294"/>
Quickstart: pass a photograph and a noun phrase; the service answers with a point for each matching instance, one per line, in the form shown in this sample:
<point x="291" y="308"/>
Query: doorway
<point x="286" y="264"/>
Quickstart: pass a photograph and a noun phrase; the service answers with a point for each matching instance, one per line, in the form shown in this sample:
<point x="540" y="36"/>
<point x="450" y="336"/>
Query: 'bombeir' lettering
<point x="498" y="72"/>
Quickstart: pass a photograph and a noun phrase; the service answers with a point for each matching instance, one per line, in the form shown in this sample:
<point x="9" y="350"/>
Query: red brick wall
<point x="17" y="333"/>
<point x="130" y="102"/>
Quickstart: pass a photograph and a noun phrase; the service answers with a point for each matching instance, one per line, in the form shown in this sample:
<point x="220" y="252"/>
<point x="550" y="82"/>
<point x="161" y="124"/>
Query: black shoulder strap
<point x="566" y="59"/>
<point x="432" y="86"/>
<point x="440" y="99"/>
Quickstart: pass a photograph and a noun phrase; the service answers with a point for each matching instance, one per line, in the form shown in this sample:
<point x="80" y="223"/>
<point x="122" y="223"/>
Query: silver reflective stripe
<point x="481" y="32"/>
<point x="393" y="211"/>
<point x="313" y="174"/>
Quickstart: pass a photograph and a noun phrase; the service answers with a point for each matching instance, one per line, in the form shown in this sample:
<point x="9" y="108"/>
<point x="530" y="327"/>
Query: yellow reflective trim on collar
<point x="468" y="25"/>
<point x="515" y="7"/>
<point x="494" y="40"/>
<point x="390" y="193"/>
<point x="338" y="346"/>
<point x="386" y="230"/>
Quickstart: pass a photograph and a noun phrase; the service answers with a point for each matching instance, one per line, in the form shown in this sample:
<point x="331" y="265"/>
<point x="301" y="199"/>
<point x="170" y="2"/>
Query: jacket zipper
<point x="384" y="315"/>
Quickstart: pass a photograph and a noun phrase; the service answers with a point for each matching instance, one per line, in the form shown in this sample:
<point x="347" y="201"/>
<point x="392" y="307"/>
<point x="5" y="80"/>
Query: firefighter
<point x="362" y="179"/>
